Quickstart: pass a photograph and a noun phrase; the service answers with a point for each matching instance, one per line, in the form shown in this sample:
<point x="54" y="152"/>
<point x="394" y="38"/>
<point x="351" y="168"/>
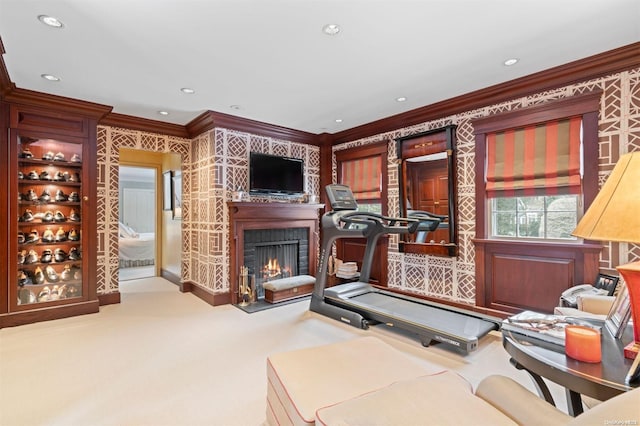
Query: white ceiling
<point x="271" y="58"/>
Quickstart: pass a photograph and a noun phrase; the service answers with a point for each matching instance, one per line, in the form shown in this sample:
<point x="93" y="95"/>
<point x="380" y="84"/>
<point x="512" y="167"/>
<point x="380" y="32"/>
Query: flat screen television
<point x="272" y="174"/>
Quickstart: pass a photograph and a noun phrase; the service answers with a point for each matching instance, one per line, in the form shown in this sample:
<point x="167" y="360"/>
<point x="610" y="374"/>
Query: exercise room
<point x="278" y="212"/>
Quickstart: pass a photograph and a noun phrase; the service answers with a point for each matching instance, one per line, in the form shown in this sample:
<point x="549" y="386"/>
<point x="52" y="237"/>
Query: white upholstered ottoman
<point x="438" y="399"/>
<point x="300" y="382"/>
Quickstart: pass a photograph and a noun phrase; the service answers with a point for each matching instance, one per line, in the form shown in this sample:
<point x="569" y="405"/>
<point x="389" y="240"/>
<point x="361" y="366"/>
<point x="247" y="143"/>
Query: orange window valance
<point x="543" y="159"/>
<point x="363" y="176"/>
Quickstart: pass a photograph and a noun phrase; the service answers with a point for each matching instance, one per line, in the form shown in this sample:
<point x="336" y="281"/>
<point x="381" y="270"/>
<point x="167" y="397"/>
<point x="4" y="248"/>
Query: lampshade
<point x="614" y="215"/>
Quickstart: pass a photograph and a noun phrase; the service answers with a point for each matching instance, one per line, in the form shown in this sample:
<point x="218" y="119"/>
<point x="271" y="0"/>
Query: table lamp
<point x="614" y="215"/>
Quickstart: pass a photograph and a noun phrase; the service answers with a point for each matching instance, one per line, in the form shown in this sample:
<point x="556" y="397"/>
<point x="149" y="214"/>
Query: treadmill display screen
<point x="341" y="197"/>
<point x="342" y="194"/>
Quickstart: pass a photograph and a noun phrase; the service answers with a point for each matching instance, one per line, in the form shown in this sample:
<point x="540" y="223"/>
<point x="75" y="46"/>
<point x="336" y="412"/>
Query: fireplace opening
<point x="271" y="254"/>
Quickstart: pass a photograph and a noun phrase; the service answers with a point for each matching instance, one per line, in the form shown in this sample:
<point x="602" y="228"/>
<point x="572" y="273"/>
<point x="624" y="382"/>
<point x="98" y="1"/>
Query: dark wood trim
<point x="186" y="287"/>
<point x="59" y="104"/>
<point x="610" y="62"/>
<point x="90" y="209"/>
<point x="587" y="105"/>
<point x="144" y="125"/>
<point x="210" y="298"/>
<point x="251" y="216"/>
<point x="5" y="179"/>
<point x="326" y="165"/>
<point x="49" y="313"/>
<point x="109" y="298"/>
<point x="502" y="284"/>
<point x="552" y="110"/>
<point x="211" y="119"/>
<point x="170" y="276"/>
<point x="581" y="258"/>
<point x="6" y="85"/>
<point x="371" y="150"/>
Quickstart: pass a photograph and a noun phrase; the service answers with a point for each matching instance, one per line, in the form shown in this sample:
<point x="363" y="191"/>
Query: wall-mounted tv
<point x="272" y="174"/>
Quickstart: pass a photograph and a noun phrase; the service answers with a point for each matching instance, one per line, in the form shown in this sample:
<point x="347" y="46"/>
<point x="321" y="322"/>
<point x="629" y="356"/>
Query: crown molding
<point x="607" y="63"/>
<point x="57" y="103"/>
<point x="145" y="125"/>
<point x="211" y="119"/>
<point x="6" y="85"/>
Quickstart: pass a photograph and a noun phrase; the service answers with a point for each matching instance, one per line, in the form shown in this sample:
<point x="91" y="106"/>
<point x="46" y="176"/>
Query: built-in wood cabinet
<point x="50" y="167"/>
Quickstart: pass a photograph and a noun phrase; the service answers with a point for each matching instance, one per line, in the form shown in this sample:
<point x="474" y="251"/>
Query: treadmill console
<point x="341" y="197"/>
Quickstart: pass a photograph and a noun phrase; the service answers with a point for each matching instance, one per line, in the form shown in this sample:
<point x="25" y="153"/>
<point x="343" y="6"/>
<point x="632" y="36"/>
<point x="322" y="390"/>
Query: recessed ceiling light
<point x="511" y="61"/>
<point x="187" y="90"/>
<point x="331" y="29"/>
<point x="338" y="120"/>
<point x="163" y="112"/>
<point x="50" y="77"/>
<point x="401" y="99"/>
<point x="234" y="106"/>
<point x="50" y="21"/>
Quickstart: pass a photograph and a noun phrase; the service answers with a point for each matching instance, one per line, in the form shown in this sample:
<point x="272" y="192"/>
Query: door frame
<point x="151" y="160"/>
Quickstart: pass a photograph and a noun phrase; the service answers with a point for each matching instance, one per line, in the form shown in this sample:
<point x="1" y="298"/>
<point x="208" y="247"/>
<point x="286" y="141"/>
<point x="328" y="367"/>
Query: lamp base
<point x="631" y="350"/>
<point x="631" y="275"/>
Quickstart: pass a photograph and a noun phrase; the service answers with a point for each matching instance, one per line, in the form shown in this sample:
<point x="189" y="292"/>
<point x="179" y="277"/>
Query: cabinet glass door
<point x="49" y="221"/>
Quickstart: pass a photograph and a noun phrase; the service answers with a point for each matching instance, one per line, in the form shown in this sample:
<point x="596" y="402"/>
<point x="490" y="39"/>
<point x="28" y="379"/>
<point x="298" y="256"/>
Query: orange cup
<point x="583" y="343"/>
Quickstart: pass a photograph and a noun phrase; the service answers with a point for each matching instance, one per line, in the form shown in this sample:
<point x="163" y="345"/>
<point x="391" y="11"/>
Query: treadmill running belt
<point x="423" y="315"/>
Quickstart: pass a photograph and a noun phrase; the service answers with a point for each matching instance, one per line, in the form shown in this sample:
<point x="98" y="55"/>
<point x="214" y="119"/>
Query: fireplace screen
<point x="271" y="254"/>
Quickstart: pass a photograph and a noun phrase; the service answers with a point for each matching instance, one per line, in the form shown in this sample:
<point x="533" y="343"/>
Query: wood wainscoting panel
<point x="528" y="282"/>
<point x="512" y="276"/>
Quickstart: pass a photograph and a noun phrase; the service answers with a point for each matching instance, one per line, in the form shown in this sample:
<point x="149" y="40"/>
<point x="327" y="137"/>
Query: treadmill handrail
<point x="389" y="224"/>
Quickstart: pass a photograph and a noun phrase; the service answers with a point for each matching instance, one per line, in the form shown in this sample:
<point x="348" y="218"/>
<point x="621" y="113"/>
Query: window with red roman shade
<point x="542" y="159"/>
<point x="363" y="176"/>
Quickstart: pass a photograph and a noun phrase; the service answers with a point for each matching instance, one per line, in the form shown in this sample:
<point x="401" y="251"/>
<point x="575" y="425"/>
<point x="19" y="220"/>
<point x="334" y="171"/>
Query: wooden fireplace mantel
<point x="246" y="215"/>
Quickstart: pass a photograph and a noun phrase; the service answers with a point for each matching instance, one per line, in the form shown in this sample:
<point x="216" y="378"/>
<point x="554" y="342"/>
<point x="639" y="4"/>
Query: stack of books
<point x="546" y="327"/>
<point x="347" y="270"/>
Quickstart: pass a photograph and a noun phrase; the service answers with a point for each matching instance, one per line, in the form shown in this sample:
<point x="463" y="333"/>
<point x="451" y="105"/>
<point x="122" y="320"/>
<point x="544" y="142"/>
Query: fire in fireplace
<point x="272" y="270"/>
<point x="271" y="254"/>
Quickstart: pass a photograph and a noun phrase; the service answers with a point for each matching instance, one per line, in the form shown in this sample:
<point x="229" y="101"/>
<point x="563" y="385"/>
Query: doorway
<point x="137" y="222"/>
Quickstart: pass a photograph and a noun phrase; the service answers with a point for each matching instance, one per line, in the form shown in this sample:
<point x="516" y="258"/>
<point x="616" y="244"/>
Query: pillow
<point x="126" y="231"/>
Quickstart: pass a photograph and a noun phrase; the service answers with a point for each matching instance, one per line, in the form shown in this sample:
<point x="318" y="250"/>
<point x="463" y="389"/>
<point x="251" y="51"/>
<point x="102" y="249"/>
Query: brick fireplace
<point x="259" y="232"/>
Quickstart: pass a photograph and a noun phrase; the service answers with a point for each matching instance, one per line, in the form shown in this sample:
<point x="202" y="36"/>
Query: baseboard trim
<point x="50" y="313"/>
<point x="109" y="298"/>
<point x="212" y="299"/>
<point x="170" y="276"/>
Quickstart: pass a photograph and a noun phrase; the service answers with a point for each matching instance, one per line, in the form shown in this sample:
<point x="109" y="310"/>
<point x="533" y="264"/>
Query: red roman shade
<point x="542" y="159"/>
<point x="363" y="176"/>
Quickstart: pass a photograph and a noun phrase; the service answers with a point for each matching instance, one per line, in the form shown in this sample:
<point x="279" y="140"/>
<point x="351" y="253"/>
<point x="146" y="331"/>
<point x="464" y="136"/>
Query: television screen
<point x="275" y="174"/>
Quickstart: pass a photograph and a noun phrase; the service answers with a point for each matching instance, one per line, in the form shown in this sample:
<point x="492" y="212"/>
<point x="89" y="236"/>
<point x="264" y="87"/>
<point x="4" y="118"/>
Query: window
<point x="364" y="170"/>
<point x="533" y="179"/>
<point x="520" y="195"/>
<point x="538" y="217"/>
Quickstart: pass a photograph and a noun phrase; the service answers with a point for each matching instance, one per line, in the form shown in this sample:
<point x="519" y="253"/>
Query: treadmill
<point x="360" y="304"/>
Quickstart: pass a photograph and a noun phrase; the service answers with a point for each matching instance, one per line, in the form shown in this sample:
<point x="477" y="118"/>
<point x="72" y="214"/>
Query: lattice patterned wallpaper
<point x="110" y="140"/>
<point x="454" y="278"/>
<point x="213" y="165"/>
<point x="216" y="162"/>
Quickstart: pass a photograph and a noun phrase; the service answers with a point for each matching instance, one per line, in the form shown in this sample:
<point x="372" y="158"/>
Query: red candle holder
<point x="583" y="343"/>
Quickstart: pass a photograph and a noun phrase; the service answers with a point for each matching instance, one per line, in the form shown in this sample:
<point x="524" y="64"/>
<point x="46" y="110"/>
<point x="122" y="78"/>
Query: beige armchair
<point x="589" y="306"/>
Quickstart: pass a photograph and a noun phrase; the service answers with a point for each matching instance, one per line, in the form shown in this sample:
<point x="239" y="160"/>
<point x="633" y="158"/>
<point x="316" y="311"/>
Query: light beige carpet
<point x="162" y="357"/>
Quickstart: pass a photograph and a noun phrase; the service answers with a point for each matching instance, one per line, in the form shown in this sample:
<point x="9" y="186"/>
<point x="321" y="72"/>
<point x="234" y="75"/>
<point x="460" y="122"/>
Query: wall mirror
<point x="428" y="191"/>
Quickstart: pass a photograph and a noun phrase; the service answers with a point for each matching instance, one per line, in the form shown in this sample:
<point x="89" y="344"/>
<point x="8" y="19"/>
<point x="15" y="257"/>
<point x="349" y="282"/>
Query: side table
<point x="545" y="360"/>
